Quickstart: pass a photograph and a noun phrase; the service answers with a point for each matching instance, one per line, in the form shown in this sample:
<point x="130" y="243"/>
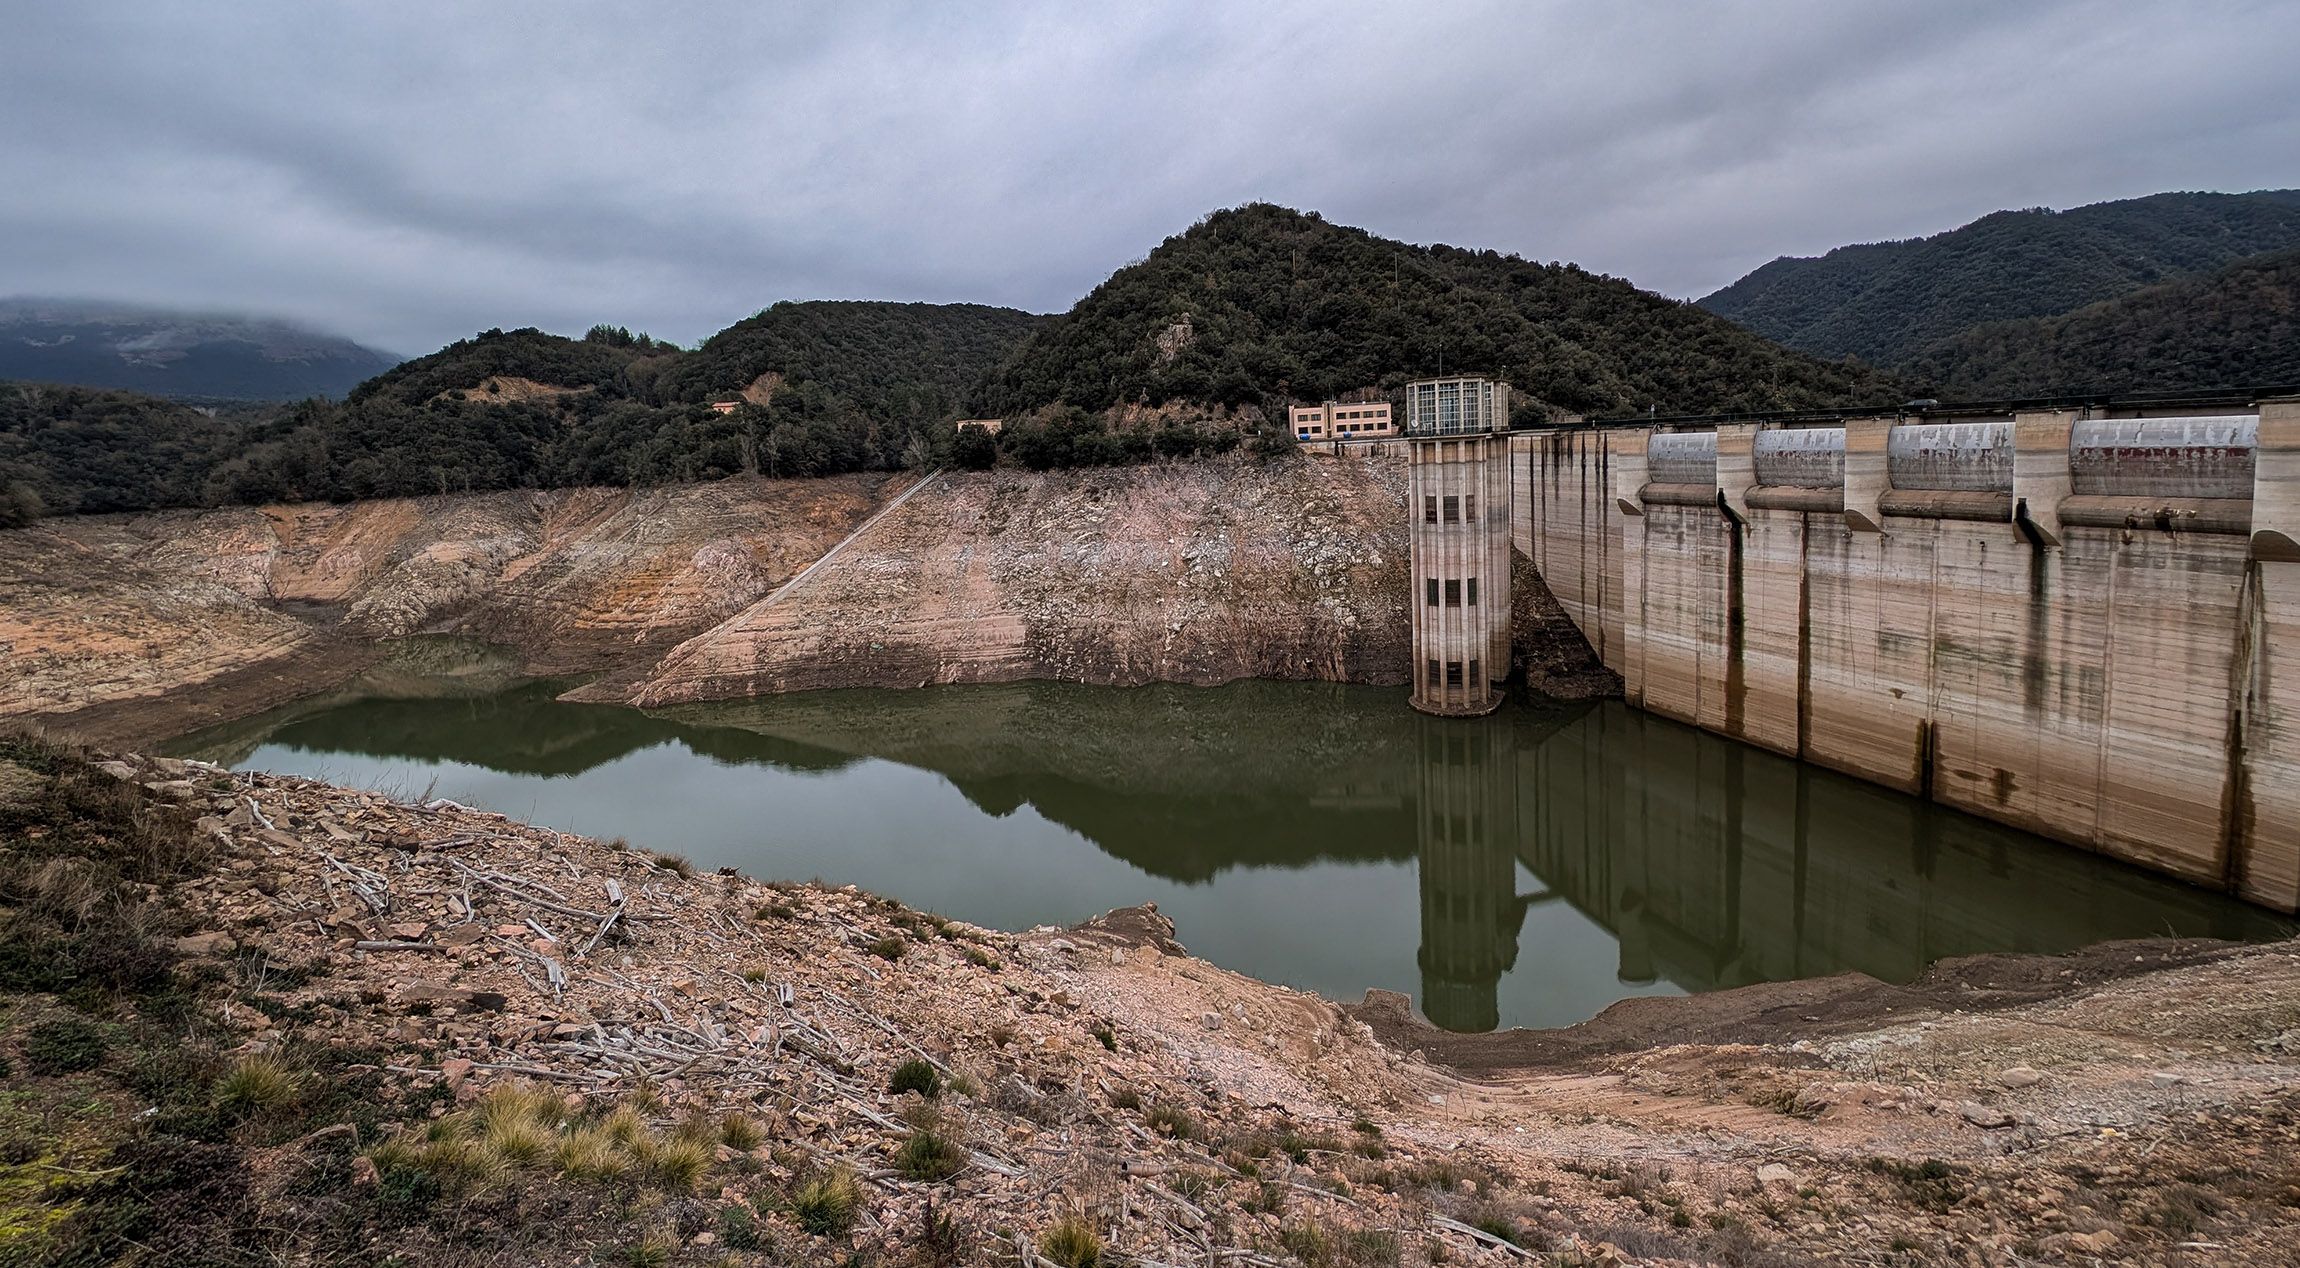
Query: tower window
<point x="1453" y="594"/>
<point x="1433" y="671"/>
<point x="1453" y="673"/>
<point x="1452" y="509"/>
<point x="1473" y="592"/>
<point x="1433" y="592"/>
<point x="1429" y="509"/>
<point x="1469" y="507"/>
<point x="1474" y="675"/>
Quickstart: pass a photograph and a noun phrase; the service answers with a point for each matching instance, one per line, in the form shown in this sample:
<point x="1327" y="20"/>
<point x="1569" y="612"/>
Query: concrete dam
<point x="2081" y="622"/>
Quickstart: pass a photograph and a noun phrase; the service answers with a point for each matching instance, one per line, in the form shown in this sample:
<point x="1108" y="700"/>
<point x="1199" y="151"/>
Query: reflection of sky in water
<point x="1647" y="848"/>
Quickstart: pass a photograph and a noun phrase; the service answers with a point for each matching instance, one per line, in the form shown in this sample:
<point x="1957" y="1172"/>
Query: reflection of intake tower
<point x="1470" y="909"/>
<point x="1458" y="512"/>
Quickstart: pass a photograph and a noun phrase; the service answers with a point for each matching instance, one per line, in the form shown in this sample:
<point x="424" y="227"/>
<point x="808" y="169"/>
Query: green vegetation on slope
<point x="894" y="361"/>
<point x="1258" y="304"/>
<point x="1885" y="301"/>
<point x="865" y="387"/>
<point x="2237" y="327"/>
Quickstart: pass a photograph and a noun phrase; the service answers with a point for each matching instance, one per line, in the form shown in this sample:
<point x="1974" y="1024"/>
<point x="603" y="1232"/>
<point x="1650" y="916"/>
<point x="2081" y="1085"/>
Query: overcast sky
<point x="407" y="173"/>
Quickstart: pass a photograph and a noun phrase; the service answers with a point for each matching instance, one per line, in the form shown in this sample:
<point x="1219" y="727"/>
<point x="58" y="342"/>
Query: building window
<point x="1453" y="594"/>
<point x="1469" y="507"/>
<point x="1433" y="592"/>
<point x="1452" y="509"/>
<point x="1474" y="674"/>
<point x="1453" y="673"/>
<point x="1473" y="592"/>
<point x="1429" y="509"/>
<point x="1433" y="671"/>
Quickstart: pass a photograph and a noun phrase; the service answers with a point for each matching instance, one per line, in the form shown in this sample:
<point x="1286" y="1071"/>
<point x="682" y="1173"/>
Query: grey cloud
<point x="410" y="173"/>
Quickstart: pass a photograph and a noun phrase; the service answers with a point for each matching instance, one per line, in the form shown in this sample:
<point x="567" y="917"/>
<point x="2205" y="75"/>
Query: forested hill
<point x="2239" y="327"/>
<point x="1884" y="301"/>
<point x="1261" y="303"/>
<point x="895" y="360"/>
<point x="853" y="387"/>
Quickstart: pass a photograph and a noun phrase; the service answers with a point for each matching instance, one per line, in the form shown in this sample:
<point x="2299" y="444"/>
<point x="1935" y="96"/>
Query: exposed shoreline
<point x="2050" y="1092"/>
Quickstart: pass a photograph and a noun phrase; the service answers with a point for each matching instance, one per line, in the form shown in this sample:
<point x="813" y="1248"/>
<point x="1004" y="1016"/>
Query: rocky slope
<point x="131" y="628"/>
<point x="102" y="612"/>
<point x="1199" y="573"/>
<point x="379" y="988"/>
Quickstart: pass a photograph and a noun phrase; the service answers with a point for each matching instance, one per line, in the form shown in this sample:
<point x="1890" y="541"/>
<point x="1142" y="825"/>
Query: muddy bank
<point x="1774" y="1012"/>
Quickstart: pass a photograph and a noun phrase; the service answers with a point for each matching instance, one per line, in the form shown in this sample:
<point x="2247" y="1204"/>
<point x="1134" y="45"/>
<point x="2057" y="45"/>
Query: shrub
<point x="890" y="947"/>
<point x="1071" y="1242"/>
<point x="64" y="1045"/>
<point x="826" y="1205"/>
<point x="917" y="1076"/>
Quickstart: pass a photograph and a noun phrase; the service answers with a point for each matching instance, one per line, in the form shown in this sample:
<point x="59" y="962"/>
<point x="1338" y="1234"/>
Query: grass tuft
<point x="1071" y="1242"/>
<point x="827" y="1204"/>
<point x="929" y="1156"/>
<point x="741" y="1132"/>
<point x="255" y="1084"/>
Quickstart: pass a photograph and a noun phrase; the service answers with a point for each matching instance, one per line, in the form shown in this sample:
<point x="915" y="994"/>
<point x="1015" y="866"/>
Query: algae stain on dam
<point x="1528" y="868"/>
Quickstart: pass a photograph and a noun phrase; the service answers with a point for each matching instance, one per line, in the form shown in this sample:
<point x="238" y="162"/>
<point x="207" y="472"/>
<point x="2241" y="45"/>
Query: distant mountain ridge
<point x="162" y="352"/>
<point x="1886" y="302"/>
<point x="2238" y="327"/>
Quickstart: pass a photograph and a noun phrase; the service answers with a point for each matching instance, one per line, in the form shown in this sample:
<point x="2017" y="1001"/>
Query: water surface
<point x="1528" y="868"/>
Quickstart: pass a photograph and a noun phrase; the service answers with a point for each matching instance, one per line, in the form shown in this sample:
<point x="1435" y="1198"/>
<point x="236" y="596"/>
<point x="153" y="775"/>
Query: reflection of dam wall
<point x="1464" y="825"/>
<point x="1721" y="865"/>
<point x="2085" y="624"/>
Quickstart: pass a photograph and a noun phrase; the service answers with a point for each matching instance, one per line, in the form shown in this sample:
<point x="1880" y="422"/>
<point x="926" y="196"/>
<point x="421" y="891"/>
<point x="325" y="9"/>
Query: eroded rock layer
<point x="1198" y="573"/>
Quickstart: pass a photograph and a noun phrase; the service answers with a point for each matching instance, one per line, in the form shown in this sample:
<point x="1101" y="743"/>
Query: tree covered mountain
<point x="1886" y="301"/>
<point x="527" y="409"/>
<point x="1260" y="303"/>
<point x="2239" y="327"/>
<point x="907" y="361"/>
<point x="178" y="354"/>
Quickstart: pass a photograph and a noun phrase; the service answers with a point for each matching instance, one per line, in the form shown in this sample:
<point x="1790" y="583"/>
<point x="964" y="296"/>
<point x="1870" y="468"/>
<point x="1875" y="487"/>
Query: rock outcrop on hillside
<point x="111" y="609"/>
<point x="130" y="628"/>
<point x="1197" y="573"/>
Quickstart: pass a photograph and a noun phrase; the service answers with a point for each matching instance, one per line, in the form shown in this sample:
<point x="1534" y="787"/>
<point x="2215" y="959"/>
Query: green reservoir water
<point x="1525" y="869"/>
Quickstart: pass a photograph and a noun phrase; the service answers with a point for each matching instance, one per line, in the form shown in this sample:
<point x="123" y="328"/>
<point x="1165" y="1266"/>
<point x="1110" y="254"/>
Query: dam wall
<point x="2084" y="623"/>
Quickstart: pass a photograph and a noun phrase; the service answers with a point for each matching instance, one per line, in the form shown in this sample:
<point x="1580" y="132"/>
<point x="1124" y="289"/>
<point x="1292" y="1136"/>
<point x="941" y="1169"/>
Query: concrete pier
<point x="2085" y="623"/>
